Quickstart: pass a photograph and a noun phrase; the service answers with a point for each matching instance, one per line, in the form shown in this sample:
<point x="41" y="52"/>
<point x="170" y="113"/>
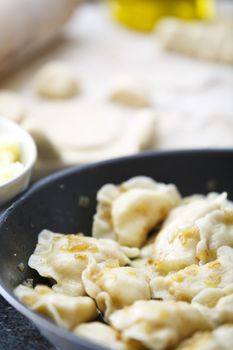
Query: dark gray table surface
<point x="17" y="333"/>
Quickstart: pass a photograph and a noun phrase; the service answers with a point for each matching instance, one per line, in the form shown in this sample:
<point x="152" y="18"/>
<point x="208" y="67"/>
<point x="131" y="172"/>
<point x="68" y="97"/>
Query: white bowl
<point x="19" y="183"/>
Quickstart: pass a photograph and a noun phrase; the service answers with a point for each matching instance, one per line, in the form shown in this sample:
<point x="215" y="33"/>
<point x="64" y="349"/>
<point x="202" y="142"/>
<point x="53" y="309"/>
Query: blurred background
<point x="94" y="80"/>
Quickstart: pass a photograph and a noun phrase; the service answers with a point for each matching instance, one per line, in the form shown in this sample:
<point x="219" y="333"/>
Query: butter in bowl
<point x="17" y="158"/>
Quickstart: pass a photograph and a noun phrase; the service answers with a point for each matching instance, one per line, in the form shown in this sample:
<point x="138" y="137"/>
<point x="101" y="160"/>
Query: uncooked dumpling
<point x="83" y="132"/>
<point x="206" y="40"/>
<point x="128" y="91"/>
<point x="56" y="80"/>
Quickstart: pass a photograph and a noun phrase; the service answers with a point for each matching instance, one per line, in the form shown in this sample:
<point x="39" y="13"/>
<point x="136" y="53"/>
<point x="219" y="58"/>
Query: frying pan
<point x="55" y="203"/>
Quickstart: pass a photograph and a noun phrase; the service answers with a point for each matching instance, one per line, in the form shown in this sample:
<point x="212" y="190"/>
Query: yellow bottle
<point x="143" y="14"/>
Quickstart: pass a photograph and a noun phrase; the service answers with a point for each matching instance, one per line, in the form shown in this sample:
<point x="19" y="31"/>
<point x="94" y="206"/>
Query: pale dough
<point x="11" y="105"/>
<point x="64" y="257"/>
<point x="159" y="325"/>
<point x="147" y="128"/>
<point x="56" y="80"/>
<point x="66" y="311"/>
<point x="210" y="41"/>
<point x="220" y="339"/>
<point x="97" y="332"/>
<point x="128" y="91"/>
<point x="87" y="132"/>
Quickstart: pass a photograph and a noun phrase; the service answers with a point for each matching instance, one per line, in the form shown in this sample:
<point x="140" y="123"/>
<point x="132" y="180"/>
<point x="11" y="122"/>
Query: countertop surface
<point x="17" y="333"/>
<point x="191" y="99"/>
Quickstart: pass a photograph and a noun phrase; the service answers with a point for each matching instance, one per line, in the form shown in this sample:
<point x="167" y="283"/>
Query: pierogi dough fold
<point x="63" y="258"/>
<point x="127" y="212"/>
